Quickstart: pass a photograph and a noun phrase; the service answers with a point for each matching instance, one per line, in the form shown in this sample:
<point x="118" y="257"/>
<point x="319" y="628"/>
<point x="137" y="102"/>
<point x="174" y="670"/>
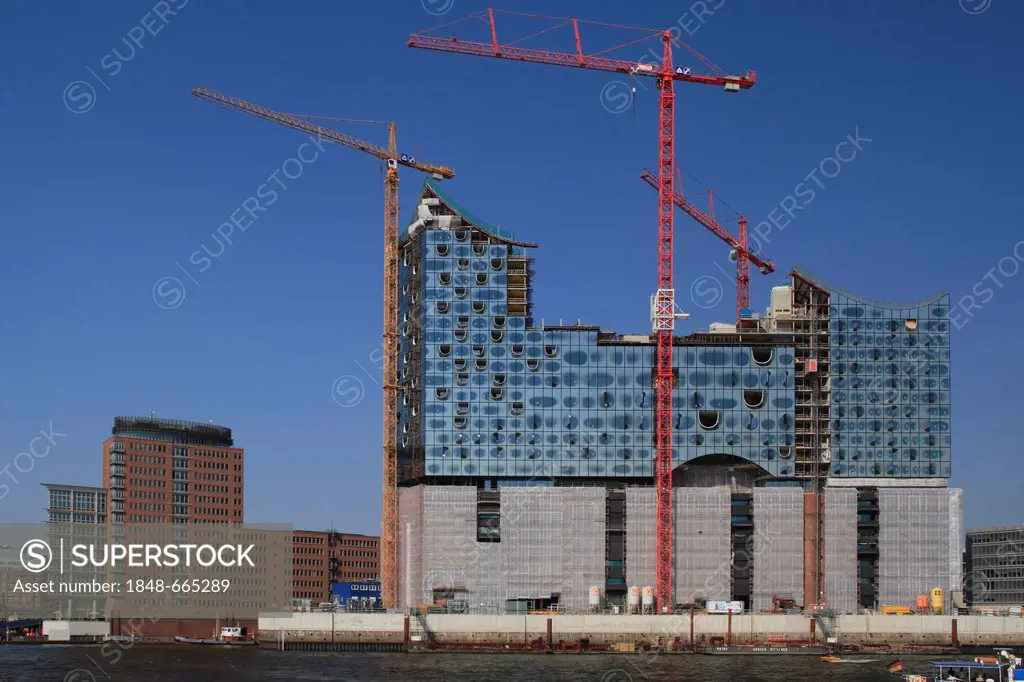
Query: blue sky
<point x="114" y="176"/>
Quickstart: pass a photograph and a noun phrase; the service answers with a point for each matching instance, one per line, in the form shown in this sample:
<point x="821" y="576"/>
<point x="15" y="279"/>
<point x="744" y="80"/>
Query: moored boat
<point x="763" y="649"/>
<point x="229" y="636"/>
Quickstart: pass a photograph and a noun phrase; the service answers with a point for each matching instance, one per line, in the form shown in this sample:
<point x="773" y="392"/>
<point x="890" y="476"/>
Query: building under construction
<point x="811" y="444"/>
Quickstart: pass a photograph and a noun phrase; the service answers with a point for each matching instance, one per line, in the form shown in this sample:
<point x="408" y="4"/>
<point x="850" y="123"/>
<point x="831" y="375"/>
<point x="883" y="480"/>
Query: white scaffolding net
<point x="703" y="541"/>
<point x="778" y="555"/>
<point x="641" y="536"/>
<point x="914" y="543"/>
<point x="840" y="555"/>
<point x="957" y="547"/>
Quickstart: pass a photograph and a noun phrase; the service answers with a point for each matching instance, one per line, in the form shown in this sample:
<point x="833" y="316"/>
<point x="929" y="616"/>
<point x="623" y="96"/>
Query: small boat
<point x="997" y="669"/>
<point x="229" y="636"/>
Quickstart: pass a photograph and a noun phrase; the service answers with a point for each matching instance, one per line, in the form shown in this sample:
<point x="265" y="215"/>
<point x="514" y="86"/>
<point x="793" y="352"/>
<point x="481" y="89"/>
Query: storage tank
<point x="647" y="598"/>
<point x="937" y="600"/>
<point x="595" y="596"/>
<point x="922" y="603"/>
<point x="633" y="598"/>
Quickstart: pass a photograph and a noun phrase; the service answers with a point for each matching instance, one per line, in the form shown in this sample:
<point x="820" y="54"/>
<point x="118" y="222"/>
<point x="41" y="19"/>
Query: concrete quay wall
<point x="606" y="631"/>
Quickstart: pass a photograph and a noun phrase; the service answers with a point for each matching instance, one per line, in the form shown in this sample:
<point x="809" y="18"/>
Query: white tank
<point x="633" y="598"/>
<point x="595" y="595"/>
<point x="648" y="596"/>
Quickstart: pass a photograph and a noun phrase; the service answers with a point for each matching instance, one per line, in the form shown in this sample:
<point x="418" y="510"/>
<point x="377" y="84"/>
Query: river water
<point x="180" y="664"/>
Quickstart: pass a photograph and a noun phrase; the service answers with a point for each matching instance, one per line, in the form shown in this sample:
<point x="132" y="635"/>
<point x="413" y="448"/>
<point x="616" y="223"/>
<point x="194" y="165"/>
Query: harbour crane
<point x="739" y="248"/>
<point x="663" y="306"/>
<point x="390" y="155"/>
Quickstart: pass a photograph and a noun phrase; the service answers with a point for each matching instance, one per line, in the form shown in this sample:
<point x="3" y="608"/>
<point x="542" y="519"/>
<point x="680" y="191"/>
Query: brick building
<point x="171" y="471"/>
<point x="322" y="557"/>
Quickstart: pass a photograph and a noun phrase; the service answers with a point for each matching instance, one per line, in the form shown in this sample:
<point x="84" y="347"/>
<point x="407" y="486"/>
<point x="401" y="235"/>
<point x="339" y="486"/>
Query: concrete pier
<point x="628" y="633"/>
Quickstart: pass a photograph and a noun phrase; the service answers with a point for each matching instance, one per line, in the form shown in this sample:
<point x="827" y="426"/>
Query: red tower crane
<point x="740" y="250"/>
<point x="663" y="307"/>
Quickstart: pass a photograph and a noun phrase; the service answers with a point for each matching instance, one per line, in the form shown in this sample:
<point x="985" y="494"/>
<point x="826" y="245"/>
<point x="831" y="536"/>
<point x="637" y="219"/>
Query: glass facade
<point x="492" y="395"/>
<point x="890" y="388"/>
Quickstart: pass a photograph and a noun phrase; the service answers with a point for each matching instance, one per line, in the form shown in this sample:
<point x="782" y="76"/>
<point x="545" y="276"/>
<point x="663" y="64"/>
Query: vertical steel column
<point x="664" y="324"/>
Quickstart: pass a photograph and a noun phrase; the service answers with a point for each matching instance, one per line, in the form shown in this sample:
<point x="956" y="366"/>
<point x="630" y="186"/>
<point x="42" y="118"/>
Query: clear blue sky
<point x="99" y="206"/>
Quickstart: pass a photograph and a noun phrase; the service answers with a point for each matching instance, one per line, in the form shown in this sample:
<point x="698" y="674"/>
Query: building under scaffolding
<point x="811" y="444"/>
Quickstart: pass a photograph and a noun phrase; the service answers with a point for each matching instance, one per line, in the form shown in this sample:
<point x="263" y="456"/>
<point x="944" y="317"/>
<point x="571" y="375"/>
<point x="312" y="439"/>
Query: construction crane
<point x="740" y="251"/>
<point x="389" y="510"/>
<point x="663" y="306"/>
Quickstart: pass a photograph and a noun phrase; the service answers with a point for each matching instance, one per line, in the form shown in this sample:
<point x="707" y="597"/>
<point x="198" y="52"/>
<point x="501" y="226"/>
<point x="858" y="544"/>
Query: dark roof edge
<point x="810" y="277"/>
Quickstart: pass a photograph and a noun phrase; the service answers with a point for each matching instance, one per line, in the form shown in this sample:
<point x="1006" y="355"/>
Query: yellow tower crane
<point x="389" y="507"/>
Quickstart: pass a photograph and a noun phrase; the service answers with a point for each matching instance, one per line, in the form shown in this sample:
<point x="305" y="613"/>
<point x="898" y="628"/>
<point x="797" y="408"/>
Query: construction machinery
<point x="663" y="306"/>
<point x="739" y="249"/>
<point x="390" y="155"/>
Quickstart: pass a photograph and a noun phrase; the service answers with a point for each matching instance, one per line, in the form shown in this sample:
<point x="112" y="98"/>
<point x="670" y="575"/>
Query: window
<point x="708" y="419"/>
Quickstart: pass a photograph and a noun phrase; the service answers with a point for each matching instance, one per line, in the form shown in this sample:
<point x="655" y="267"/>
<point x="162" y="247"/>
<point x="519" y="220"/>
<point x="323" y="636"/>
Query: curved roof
<point x="822" y="284"/>
<point x="492" y="231"/>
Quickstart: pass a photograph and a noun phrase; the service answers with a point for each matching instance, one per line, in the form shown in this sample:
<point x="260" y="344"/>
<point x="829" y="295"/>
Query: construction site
<point x="792" y="460"/>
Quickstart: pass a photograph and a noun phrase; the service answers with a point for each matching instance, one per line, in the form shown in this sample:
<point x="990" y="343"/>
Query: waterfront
<point x="181" y="664"/>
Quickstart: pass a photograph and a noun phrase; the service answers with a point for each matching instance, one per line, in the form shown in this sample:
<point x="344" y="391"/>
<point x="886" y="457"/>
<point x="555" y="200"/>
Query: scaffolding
<point x="914" y="543"/>
<point x="957" y="547"/>
<point x="778" y="557"/>
<point x="641" y="536"/>
<point x="840" y="561"/>
<point x="703" y="544"/>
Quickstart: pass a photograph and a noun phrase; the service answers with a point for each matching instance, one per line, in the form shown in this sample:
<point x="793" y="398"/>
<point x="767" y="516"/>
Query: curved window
<point x="460" y="364"/>
<point x="497" y="393"/>
<point x="479" y="351"/>
<point x="785" y="452"/>
<point x="462" y="380"/>
<point x="762" y="355"/>
<point x="463" y="264"/>
<point x="481" y="279"/>
<point x="708" y="419"/>
<point x="442" y="249"/>
<point x="461" y="234"/>
<point x="753" y="399"/>
<point x="497" y="335"/>
<point x="481" y="365"/>
<point x="517" y="350"/>
<point x="499" y="322"/>
<point x="405" y="259"/>
<point x="462" y="322"/>
<point x="498" y="379"/>
<point x="479" y="307"/>
<point x="460" y="335"/>
<point x="551" y="351"/>
<point x="497" y="264"/>
<point x="462" y="408"/>
<point x="442" y="307"/>
<point x="444" y="350"/>
<point x="445" y="278"/>
<point x="517" y="409"/>
<point x="460" y="423"/>
<point x="460" y="292"/>
<point x="479" y="249"/>
<point x="415" y="269"/>
<point x="532" y="364"/>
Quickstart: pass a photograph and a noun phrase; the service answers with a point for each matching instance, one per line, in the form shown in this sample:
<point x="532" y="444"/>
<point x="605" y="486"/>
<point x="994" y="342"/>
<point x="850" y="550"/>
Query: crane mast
<point x="389" y="501"/>
<point x="663" y="308"/>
